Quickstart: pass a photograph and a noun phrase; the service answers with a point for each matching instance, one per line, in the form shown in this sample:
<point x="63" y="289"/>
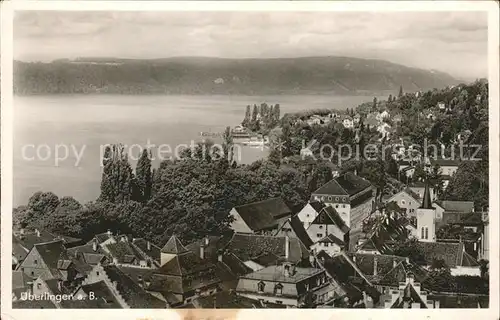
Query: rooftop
<point x="453" y="254"/>
<point x="249" y="246"/>
<point x="263" y="214"/>
<point x="276" y="273"/>
<point x="328" y="215"/>
<point x="346" y="184"/>
<point x="174" y="246"/>
<point x="456" y="206"/>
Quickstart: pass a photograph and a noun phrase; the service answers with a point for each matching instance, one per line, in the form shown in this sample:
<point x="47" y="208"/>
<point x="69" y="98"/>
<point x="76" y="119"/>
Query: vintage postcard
<point x="174" y="157"/>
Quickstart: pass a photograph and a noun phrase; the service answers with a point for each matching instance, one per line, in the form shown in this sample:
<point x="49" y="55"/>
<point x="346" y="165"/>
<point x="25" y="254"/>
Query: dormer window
<point x="260" y="286"/>
<point x="278" y="289"/>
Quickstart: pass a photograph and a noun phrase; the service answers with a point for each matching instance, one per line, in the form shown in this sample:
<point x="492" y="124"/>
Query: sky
<point x="452" y="42"/>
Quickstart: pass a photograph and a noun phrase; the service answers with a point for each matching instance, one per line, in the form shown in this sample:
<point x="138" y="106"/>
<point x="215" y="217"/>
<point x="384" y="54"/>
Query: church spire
<point x="427" y="202"/>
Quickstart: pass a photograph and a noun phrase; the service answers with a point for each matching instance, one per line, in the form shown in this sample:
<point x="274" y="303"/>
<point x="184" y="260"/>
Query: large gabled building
<point x="350" y="195"/>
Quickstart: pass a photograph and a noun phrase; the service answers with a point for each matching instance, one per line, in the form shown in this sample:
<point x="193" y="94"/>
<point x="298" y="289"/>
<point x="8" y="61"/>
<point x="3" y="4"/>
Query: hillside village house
<point x="448" y="166"/>
<point x="350" y="195"/>
<point x="348" y="122"/>
<point x="357" y="118"/>
<point x="285" y="284"/>
<point x="441" y="105"/>
<point x="260" y="217"/>
<point x="383" y="115"/>
<point x="408" y="200"/>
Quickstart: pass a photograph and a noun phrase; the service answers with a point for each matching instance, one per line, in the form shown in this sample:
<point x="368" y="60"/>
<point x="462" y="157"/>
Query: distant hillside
<point x="190" y="75"/>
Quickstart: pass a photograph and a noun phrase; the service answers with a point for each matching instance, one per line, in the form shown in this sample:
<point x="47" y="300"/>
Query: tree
<point x="255" y="113"/>
<point x="228" y="146"/>
<point x="439" y="278"/>
<point x="246" y="120"/>
<point x="400" y="94"/>
<point x="144" y="176"/>
<point x="374" y="103"/>
<point x="389" y="100"/>
<point x="277" y="112"/>
<point x="117" y="176"/>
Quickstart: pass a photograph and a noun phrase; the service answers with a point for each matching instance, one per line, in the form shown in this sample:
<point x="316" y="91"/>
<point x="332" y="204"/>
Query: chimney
<point x="149" y="246"/>
<point x="355" y="172"/>
<point x="202" y="251"/>
<point x="354" y="258"/>
<point x="59" y="285"/>
<point x="407" y="260"/>
<point x="375" y="265"/>
<point x="76" y="254"/>
<point x="287" y="247"/>
<point x="94" y="245"/>
<point x="311" y="258"/>
<point x="207" y="241"/>
<point x="219" y="257"/>
<point x="109" y="233"/>
<point x="394" y="263"/>
<point x="37" y="233"/>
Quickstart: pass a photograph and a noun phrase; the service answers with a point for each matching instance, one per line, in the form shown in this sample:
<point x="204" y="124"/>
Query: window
<point x="39" y="286"/>
<point x="260" y="286"/>
<point x="35" y="262"/>
<point x="329" y="198"/>
<point x="336" y="206"/>
<point x="343" y="206"/>
<point x="32" y="274"/>
<point x="422" y="233"/>
<point x="336" y="199"/>
<point x="306" y="286"/>
<point x="321" y="227"/>
<point x="279" y="302"/>
<point x="326" y="244"/>
<point x="307" y="215"/>
<point x="403" y="202"/>
<point x="409" y="202"/>
<point x="278" y="289"/>
<point x="319" y="235"/>
<point x="426" y="233"/>
<point x="97" y="273"/>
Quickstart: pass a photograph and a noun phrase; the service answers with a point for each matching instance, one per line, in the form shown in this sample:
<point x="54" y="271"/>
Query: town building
<point x="448" y="166"/>
<point x="294" y="228"/>
<point x="285" y="284"/>
<point x="309" y="212"/>
<point x="409" y="295"/>
<point x="448" y="211"/>
<point x="260" y="217"/>
<point x="51" y="261"/>
<point x="259" y="251"/>
<point x="125" y="291"/>
<point x="328" y="231"/>
<point x="182" y="275"/>
<point x="350" y="195"/>
<point x="408" y="200"/>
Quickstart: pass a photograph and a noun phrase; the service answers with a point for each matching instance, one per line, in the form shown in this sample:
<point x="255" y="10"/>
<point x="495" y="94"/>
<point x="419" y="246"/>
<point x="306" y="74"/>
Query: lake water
<point x="84" y="123"/>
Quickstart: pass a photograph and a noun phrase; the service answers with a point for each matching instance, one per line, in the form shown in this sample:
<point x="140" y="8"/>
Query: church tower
<point x="426" y="225"/>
